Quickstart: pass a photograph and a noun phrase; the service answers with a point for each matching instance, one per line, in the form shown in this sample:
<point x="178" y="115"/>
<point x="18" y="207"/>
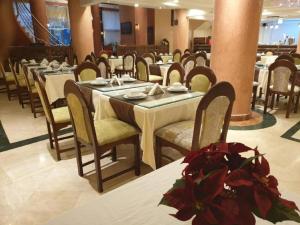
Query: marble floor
<point x="34" y="187"/>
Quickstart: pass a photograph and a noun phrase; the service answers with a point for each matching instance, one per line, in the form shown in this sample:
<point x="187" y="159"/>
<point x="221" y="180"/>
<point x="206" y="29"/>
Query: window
<point x="59" y="24"/>
<point x="111" y="26"/>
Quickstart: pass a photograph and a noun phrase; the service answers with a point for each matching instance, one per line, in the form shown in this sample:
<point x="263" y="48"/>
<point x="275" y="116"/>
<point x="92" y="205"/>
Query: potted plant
<point x="220" y="186"/>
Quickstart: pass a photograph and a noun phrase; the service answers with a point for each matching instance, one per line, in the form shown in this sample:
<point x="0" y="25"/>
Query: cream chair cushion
<point x="22" y="82"/>
<point x="200" y="83"/>
<point x="174" y="77"/>
<point x="155" y="78"/>
<point x="61" y="115"/>
<point x="112" y="130"/>
<point x="87" y="74"/>
<point x="180" y="133"/>
<point x="296" y="88"/>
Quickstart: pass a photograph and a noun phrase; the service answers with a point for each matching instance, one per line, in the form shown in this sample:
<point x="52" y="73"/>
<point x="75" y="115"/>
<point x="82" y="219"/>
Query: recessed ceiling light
<point x="266" y="12"/>
<point x="136" y="4"/>
<point x="172" y="4"/>
<point x="195" y="12"/>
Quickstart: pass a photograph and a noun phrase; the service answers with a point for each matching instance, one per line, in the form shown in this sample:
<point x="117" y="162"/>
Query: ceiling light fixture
<point x="171" y="4"/>
<point x="136" y="4"/>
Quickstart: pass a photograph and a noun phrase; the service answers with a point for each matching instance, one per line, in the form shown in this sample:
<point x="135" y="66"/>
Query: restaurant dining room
<point x="149" y="112"/>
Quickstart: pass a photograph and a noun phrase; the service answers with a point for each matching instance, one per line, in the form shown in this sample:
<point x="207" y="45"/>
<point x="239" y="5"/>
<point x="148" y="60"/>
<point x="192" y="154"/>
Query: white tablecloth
<point x="55" y="85"/>
<point x="268" y="59"/>
<point x="136" y="203"/>
<point x="151" y="119"/>
<point x="166" y="58"/>
<point x="114" y="62"/>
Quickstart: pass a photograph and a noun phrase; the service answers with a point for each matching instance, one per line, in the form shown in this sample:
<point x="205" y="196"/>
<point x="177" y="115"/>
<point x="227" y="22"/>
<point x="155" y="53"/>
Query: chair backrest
<point x="189" y="63"/>
<point x="142" y="69"/>
<point x="292" y="51"/>
<point x="3" y="74"/>
<point x="88" y="58"/>
<point x="12" y="69"/>
<point x="40" y="87"/>
<point x="296" y="58"/>
<point x="86" y="71"/>
<point x="104" y="54"/>
<point x="184" y="57"/>
<point x="213" y="116"/>
<point x="201" y="59"/>
<point x="27" y="79"/>
<point x="75" y="60"/>
<point x="150" y="59"/>
<point x="94" y="57"/>
<point x="187" y="51"/>
<point x="281" y="72"/>
<point x="287" y="57"/>
<point x="104" y="68"/>
<point x="175" y="74"/>
<point x="177" y="55"/>
<point x="128" y="61"/>
<point x="80" y="114"/>
<point x="200" y="79"/>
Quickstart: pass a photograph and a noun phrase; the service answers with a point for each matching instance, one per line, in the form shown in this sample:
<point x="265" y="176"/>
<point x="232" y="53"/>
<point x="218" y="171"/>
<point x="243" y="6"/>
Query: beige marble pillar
<point x="234" y="46"/>
<point x="81" y="21"/>
<point x="40" y="21"/>
<point x="298" y="46"/>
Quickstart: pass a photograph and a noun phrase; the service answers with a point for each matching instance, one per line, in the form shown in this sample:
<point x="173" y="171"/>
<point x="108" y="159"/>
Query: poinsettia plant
<point x="221" y="187"/>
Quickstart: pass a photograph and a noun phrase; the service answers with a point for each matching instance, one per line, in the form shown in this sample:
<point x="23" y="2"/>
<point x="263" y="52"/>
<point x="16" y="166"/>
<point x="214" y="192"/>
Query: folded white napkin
<point x="32" y="61"/>
<point x="44" y="62"/>
<point x="54" y="62"/>
<point x="156" y="90"/>
<point x="24" y="61"/>
<point x="115" y="80"/>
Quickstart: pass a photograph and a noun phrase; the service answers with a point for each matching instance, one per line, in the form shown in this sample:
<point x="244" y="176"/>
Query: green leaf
<point x="279" y="213"/>
<point x="249" y="160"/>
<point x="179" y="183"/>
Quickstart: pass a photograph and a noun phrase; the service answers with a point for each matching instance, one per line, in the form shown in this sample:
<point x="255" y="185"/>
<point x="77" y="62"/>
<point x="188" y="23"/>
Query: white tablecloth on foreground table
<point x="136" y="203"/>
<point x="151" y="119"/>
<point x="55" y="85"/>
<point x="268" y="59"/>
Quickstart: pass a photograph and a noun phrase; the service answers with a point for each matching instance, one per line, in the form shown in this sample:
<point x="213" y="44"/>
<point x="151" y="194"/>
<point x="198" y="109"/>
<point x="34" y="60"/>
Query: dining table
<point x="137" y="203"/>
<point x="147" y="114"/>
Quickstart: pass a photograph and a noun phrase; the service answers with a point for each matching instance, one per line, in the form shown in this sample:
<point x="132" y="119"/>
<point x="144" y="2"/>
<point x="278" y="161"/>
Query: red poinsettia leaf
<point x="264" y="166"/>
<point x="213" y="185"/>
<point x="238" y="178"/>
<point x="272" y="181"/>
<point x="263" y="202"/>
<point x="209" y="216"/>
<point x="236" y="147"/>
<point x="245" y="216"/>
<point x="222" y="147"/>
<point x="177" y="198"/>
<point x="200" y="220"/>
<point x="288" y="204"/>
<point x="185" y="214"/>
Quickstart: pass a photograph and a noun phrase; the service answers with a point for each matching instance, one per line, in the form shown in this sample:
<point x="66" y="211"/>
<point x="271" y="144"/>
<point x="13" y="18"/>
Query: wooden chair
<point x="283" y="74"/>
<point x="86" y="71"/>
<point x="34" y="99"/>
<point x="201" y="59"/>
<point x="254" y="88"/>
<point x="296" y="58"/>
<point x="102" y="136"/>
<point x="177" y="55"/>
<point x="200" y="79"/>
<point x="74" y="60"/>
<point x="184" y="57"/>
<point x="210" y="125"/>
<point x="142" y="72"/>
<point x="88" y="58"/>
<point x="56" y="119"/>
<point x="127" y="66"/>
<point x="94" y="57"/>
<point x="286" y="57"/>
<point x="104" y="68"/>
<point x="187" y="51"/>
<point x="21" y="86"/>
<point x="292" y="51"/>
<point x="104" y="54"/>
<point x="150" y="59"/>
<point x="9" y="82"/>
<point x="175" y="74"/>
<point x="188" y="64"/>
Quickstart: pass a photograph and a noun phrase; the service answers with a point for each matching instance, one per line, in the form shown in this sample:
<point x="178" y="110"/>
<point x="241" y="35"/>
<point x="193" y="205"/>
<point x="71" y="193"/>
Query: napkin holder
<point x="115" y="80"/>
<point x="156" y="90"/>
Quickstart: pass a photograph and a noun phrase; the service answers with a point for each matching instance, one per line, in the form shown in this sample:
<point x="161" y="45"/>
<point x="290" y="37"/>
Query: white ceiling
<point x="271" y="7"/>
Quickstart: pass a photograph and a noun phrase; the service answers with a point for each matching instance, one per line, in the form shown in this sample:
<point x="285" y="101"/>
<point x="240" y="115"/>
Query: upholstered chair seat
<point x="22" y="82"/>
<point x="180" y="133"/>
<point x="120" y="67"/>
<point x="61" y="115"/>
<point x="296" y="88"/>
<point x="112" y="130"/>
<point x="155" y="78"/>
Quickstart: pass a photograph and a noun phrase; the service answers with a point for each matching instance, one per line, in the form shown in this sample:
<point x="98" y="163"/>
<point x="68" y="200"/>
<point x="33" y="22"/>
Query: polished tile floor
<point x="34" y="187"/>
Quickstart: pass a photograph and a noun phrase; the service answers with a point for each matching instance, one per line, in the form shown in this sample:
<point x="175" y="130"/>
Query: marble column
<point x="298" y="46"/>
<point x="40" y="21"/>
<point x="81" y="29"/>
<point x="234" y="46"/>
